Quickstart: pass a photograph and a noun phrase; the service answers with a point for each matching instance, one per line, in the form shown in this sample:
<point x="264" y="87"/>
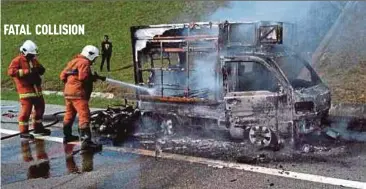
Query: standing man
<point x="106" y="52"/>
<point x="26" y="72"/>
<point x="78" y="81"/>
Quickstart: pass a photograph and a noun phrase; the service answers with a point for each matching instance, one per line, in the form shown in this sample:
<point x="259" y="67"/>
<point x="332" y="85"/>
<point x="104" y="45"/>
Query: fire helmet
<point x="90" y="52"/>
<point x="29" y="47"/>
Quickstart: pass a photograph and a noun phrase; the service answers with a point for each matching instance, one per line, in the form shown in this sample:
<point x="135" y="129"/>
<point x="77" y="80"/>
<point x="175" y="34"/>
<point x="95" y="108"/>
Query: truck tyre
<point x="262" y="136"/>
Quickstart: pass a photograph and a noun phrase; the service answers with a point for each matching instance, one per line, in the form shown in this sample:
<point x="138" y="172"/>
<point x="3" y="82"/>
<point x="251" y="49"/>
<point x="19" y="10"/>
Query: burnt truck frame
<point x="258" y="89"/>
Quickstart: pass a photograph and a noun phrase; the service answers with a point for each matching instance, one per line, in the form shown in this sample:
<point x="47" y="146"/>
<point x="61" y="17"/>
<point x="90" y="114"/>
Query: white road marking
<point x="48" y="138"/>
<point x="8" y="132"/>
<point x="219" y="163"/>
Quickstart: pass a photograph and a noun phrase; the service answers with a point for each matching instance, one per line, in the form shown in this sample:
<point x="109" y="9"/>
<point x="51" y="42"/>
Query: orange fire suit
<point x="78" y="88"/>
<point x="28" y="85"/>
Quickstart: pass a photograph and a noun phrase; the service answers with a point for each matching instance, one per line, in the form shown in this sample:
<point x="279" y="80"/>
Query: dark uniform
<point x="106" y="53"/>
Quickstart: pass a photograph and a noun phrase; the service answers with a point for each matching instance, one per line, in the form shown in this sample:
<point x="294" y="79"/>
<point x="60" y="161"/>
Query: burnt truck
<point x="243" y="77"/>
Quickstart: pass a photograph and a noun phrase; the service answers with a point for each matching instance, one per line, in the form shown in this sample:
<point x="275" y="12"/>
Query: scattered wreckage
<point x="237" y="76"/>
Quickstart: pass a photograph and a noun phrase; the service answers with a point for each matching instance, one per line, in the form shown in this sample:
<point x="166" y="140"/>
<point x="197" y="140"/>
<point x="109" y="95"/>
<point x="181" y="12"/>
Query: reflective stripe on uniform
<point x="23" y="123"/>
<point x="37" y="121"/>
<point x="72" y="97"/>
<point x="28" y="95"/>
<point x="21" y="73"/>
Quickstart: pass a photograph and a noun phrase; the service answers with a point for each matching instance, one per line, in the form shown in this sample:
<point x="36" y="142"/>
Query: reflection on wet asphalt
<point x="39" y="167"/>
<point x="30" y="159"/>
<point x="86" y="160"/>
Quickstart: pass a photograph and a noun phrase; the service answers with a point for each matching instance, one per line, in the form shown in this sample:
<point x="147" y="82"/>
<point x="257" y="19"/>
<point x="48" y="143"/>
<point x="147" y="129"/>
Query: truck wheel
<point x="262" y="136"/>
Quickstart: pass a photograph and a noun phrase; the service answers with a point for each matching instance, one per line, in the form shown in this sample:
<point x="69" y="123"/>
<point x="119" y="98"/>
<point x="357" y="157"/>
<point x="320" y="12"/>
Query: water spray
<point x="125" y="84"/>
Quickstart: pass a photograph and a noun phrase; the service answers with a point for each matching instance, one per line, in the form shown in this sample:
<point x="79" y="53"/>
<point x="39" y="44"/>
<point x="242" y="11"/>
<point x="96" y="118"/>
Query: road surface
<point x="132" y="166"/>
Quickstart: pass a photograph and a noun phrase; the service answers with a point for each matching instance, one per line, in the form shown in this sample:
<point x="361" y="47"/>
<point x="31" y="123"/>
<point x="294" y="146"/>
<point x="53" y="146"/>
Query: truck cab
<point x="265" y="101"/>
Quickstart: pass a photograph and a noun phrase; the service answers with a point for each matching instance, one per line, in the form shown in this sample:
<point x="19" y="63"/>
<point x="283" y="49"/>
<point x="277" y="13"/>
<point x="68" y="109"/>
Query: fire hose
<point x="55" y="121"/>
<point x="54" y="117"/>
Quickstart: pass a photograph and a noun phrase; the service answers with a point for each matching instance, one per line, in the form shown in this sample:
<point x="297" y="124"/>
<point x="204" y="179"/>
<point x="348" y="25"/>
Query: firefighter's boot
<point x="24" y="132"/>
<point x="68" y="137"/>
<point x="87" y="145"/>
<point x="39" y="129"/>
<point x="26" y="135"/>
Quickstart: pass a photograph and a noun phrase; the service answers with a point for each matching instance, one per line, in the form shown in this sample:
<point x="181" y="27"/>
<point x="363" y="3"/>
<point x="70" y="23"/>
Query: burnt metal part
<point x="115" y="123"/>
<point x="304" y="107"/>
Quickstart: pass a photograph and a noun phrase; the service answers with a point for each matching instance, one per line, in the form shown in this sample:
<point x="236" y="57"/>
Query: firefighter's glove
<point x="96" y="76"/>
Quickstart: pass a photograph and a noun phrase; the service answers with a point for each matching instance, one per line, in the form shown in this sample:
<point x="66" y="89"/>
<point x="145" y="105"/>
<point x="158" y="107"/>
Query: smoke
<point x="199" y="82"/>
<point x="203" y="78"/>
<point x="204" y="75"/>
<point x="287" y="11"/>
<point x="312" y="19"/>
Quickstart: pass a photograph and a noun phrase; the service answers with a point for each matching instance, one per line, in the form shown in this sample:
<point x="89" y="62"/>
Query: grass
<point x="59" y="100"/>
<point x="346" y="82"/>
<point x="99" y="17"/>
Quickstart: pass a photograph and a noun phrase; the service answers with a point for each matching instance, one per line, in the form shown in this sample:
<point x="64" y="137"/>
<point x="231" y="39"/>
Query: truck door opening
<point x="250" y="76"/>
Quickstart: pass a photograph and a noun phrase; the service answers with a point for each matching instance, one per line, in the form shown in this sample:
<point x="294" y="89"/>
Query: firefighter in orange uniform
<point x="78" y="81"/>
<point x="26" y="72"/>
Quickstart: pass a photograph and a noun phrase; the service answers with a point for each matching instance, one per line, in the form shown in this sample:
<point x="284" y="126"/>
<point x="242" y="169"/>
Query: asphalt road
<point x="195" y="167"/>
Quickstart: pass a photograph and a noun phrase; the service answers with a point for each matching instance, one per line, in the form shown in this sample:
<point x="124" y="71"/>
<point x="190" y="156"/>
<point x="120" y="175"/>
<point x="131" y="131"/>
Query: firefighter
<point x="78" y="81"/>
<point x="26" y="72"/>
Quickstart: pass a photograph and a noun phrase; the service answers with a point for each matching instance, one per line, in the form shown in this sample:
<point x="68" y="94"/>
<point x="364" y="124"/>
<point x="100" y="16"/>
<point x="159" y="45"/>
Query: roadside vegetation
<point x="59" y="100"/>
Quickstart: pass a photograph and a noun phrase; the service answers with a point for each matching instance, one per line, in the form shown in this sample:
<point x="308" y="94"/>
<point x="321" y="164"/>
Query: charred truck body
<point x="241" y="76"/>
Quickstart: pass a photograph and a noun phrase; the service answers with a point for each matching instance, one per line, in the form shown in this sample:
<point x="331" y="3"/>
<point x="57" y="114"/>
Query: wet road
<point x="49" y="164"/>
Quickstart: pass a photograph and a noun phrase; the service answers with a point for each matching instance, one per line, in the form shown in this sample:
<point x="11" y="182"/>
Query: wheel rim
<point x="260" y="136"/>
<point x="167" y="126"/>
